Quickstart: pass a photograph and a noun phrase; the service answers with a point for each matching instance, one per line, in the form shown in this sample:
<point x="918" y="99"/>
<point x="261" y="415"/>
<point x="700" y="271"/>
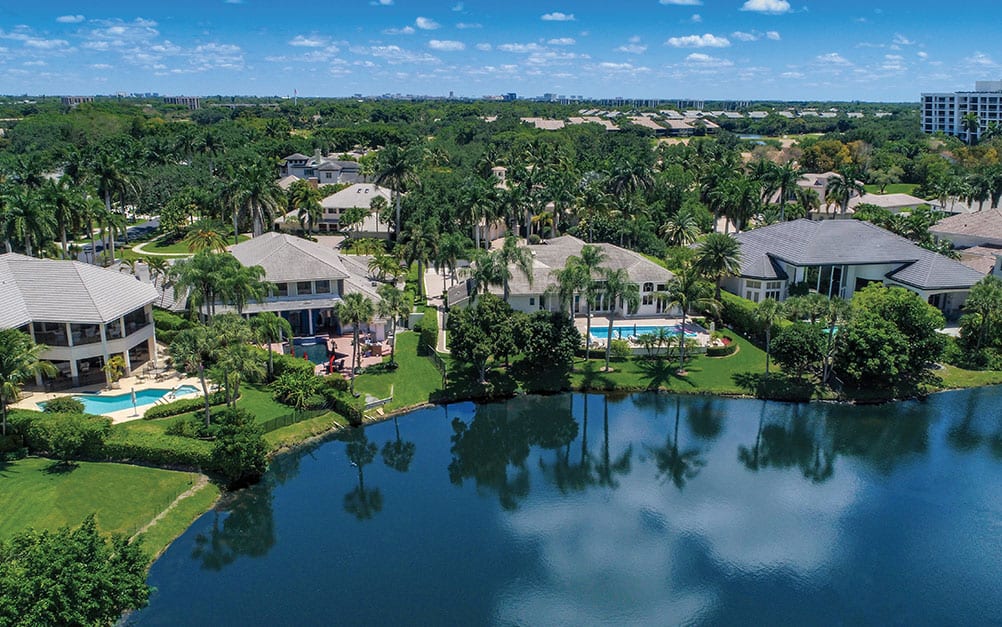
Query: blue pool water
<point x="315" y="349"/>
<point x="602" y="333"/>
<point x="102" y="403"/>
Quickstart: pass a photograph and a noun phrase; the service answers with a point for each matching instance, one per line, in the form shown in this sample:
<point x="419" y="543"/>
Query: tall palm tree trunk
<point x="62" y="238"/>
<point x="681" y="343"/>
<point x="205" y="393"/>
<point x="608" y="338"/>
<point x="354" y="355"/>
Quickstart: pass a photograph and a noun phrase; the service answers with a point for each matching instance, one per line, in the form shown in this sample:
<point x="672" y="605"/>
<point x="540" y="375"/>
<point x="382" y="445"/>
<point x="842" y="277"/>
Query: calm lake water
<point x="647" y="509"/>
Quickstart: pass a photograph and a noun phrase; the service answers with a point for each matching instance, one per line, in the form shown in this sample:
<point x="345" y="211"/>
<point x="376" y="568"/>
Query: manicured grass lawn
<point x="893" y="188"/>
<point x="954" y="377"/>
<point x="156" y="538"/>
<point x="718" y="375"/>
<point x="179" y="247"/>
<point x="412" y="382"/>
<point x="36" y="493"/>
<point x="301" y="431"/>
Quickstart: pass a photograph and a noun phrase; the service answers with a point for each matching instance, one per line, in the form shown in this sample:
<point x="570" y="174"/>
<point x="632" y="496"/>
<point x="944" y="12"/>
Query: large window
<point x="304" y="287"/>
<point x="323" y="287"/>
<point x="282" y="289"/>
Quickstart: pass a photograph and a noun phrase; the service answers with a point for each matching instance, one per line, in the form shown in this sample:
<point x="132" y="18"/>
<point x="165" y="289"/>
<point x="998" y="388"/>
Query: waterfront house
<point x="309" y="280"/>
<point x="840" y="257"/>
<point x="83" y="314"/>
<point x="550" y="256"/>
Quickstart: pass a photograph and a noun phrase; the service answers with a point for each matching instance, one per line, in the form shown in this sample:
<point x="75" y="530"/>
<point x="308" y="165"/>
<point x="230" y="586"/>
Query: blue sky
<point x="887" y="50"/>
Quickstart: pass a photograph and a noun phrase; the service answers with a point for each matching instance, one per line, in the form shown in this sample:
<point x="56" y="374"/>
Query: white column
<point x="104" y="352"/>
<point x="309" y="314"/>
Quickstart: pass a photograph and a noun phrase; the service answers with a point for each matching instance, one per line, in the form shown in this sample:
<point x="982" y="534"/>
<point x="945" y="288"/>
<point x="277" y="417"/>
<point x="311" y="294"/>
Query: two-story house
<point x="309" y="280"/>
<point x="83" y="314"/>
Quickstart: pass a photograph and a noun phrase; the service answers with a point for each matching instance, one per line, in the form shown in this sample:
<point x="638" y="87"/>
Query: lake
<point x="647" y="509"/>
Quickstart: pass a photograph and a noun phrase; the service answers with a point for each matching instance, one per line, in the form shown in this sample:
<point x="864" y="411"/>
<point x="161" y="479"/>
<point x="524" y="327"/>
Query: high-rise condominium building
<point x="946" y="111"/>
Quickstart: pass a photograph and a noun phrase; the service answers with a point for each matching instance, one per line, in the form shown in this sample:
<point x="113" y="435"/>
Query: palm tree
<point x="19" y="363"/>
<point x="241" y="284"/>
<point x="355" y="309"/>
<point x="841" y="187"/>
<point x="591" y="259"/>
<point x="27" y="219"/>
<point x="451" y="247"/>
<point x="511" y="254"/>
<point x="269" y="328"/>
<point x="395" y="169"/>
<point x="838" y="312"/>
<point x="682" y="229"/>
<point x="971" y="124"/>
<point x="256" y="191"/>
<point x="572" y="280"/>
<point x="194" y="348"/>
<point x="483" y="273"/>
<point x="378" y="206"/>
<point x="782" y="179"/>
<point x="766" y="314"/>
<point x="305" y="199"/>
<point x="111" y="176"/>
<point x="393" y="305"/>
<point x="419" y="245"/>
<point x="204" y="235"/>
<point x="161" y="275"/>
<point x="384" y="266"/>
<point x="807" y="198"/>
<point x="66" y="208"/>
<point x="688" y="290"/>
<point x="718" y="256"/>
<point x="620" y="292"/>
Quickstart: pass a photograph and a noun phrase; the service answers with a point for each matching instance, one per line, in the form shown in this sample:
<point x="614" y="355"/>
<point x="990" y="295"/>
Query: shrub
<point x="182" y="406"/>
<point x="192" y="426"/>
<point x="335" y="382"/>
<point x="534" y="239"/>
<point x="620" y="350"/>
<point x="739" y="313"/>
<point x="239" y="452"/>
<point x="288" y="364"/>
<point x="343" y="403"/>
<point x="427" y="329"/>
<point x="64" y="405"/>
<point x="169" y="325"/>
<point x="295" y="388"/>
<point x="721" y="351"/>
<point x="66" y="436"/>
<point x="157" y="450"/>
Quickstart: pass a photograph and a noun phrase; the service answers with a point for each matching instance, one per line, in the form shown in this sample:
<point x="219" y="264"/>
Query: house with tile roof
<point x="550" y="256"/>
<point x="309" y="281"/>
<point x="83" y="314"/>
<point x="981" y="228"/>
<point x="840" y="257"/>
<point x="327" y="170"/>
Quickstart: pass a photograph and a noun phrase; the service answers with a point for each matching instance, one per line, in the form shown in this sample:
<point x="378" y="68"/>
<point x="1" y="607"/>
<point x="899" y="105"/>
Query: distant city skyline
<point x="671" y="49"/>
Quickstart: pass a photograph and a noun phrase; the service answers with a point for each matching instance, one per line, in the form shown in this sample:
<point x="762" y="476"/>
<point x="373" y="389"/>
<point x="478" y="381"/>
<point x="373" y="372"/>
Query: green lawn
<point x="159" y="536"/>
<point x="954" y="377"/>
<point x="34" y="492"/>
<point x="894" y="188"/>
<point x="179" y="247"/>
<point x="413" y="382"/>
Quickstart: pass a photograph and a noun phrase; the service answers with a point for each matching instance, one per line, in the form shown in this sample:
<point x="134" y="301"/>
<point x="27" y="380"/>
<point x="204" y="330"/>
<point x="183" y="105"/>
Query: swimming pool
<point x="625" y="331"/>
<point x="315" y="349"/>
<point x="103" y="403"/>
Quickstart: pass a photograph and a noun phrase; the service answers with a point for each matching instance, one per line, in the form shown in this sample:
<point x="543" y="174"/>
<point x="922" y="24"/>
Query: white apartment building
<point x="945" y="111"/>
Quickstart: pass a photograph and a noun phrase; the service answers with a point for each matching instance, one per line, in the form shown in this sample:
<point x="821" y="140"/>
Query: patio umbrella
<point x="135" y="412"/>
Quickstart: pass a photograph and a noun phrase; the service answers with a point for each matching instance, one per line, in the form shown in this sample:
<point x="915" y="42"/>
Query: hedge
<point x="343" y="403"/>
<point x="182" y="406"/>
<point x="739" y="313"/>
<point x="427" y="328"/>
<point x="169" y="325"/>
<point x="288" y="363"/>
<point x="158" y="450"/>
<point x="721" y="351"/>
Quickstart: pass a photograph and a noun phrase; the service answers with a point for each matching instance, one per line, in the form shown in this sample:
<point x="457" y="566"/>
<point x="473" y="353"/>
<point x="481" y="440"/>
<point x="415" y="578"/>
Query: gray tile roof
<point x="357" y="195"/>
<point x="549" y="257"/>
<point x="848" y="242"/>
<point x="47" y="290"/>
<point x="287" y="258"/>
<point x="986" y="223"/>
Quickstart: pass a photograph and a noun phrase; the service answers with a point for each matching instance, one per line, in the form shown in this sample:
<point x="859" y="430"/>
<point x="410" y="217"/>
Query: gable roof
<point x="847" y="242"/>
<point x="287" y="258"/>
<point x="48" y="290"/>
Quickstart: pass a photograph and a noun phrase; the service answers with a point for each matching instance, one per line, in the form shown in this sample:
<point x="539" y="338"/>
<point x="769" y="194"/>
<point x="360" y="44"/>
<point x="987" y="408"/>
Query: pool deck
<point x="172" y="379"/>
<point x="602" y="322"/>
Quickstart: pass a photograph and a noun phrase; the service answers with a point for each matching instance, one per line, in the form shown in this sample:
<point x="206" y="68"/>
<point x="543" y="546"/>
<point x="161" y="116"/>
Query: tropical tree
<point x="483" y="273"/>
<point x="355" y="309"/>
<point x="270" y="328"/>
<point x="111" y="175"/>
<point x="19" y="363"/>
<point x="783" y="179"/>
<point x="591" y="260"/>
<point x="394" y="304"/>
<point x="256" y="192"/>
<point x="766" y="314"/>
<point x="205" y="235"/>
<point x="395" y="170"/>
<point x="512" y="255"/>
<point x="161" y="275"/>
<point x="26" y="218"/>
<point x="378" y="207"/>
<point x="682" y="229"/>
<point x="718" y="256"/>
<point x="618" y="292"/>
<point x="420" y="246"/>
<point x="194" y="349"/>
<point x="688" y="290"/>
<point x="305" y="199"/>
<point x="383" y="266"/>
<point x="65" y="205"/>
<point x="451" y="247"/>
<point x="841" y="188"/>
<point x="971" y="124"/>
<point x="238" y="285"/>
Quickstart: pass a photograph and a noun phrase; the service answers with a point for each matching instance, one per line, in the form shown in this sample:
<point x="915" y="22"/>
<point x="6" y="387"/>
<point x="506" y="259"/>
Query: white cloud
<point x="70" y="19"/>
<point x="699" y="58"/>
<point x="632" y="49"/>
<point x="521" y="48"/>
<point x="484" y="47"/>
<point x="396" y="54"/>
<point x="980" y="59"/>
<point x="406" y="30"/>
<point x="100" y="66"/>
<point x="465" y="25"/>
<point x="557" y="16"/>
<point x="922" y="55"/>
<point x="446" y="45"/>
<point x="308" y="41"/>
<point x="833" y="58"/>
<point x="699" y="41"/>
<point x="772" y="7"/>
<point x="381" y="3"/>
<point x="685" y="3"/>
<point x="773" y="35"/>
<point x="792" y="75"/>
<point x="743" y="36"/>
<point x="901" y="40"/>
<point x="426" y="23"/>
<point x="696" y="18"/>
<point x="562" y="41"/>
